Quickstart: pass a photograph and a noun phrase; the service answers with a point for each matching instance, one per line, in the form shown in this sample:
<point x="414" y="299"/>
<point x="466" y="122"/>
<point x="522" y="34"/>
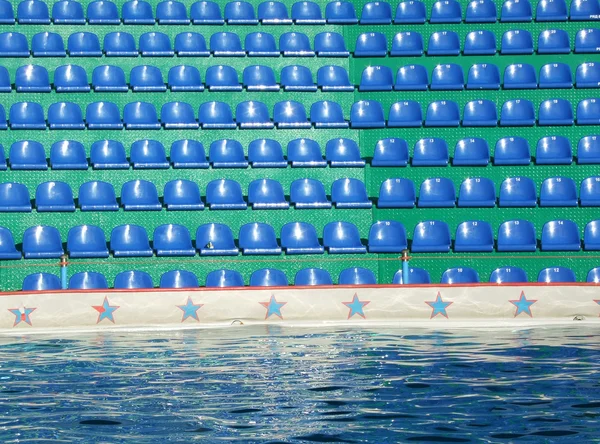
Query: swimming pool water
<point x="272" y="384"/>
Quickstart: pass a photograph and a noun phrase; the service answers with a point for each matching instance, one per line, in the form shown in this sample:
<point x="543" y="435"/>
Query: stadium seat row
<point x="292" y="115"/>
<point x="305" y="153"/>
<point x="295" y="44"/>
<point x="432" y="236"/>
<point x="303" y="12"/>
<point x="268" y="194"/>
<point x="270" y="277"/>
<point x="447" y="77"/>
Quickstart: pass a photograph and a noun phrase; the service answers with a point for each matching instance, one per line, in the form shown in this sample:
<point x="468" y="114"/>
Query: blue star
<point x="273" y="307"/>
<point x="438" y="306"/>
<point x="356" y="306"/>
<point x="523" y="305"/>
<point x="190" y="310"/>
<point x="105" y="311"/>
<point x="21" y="315"/>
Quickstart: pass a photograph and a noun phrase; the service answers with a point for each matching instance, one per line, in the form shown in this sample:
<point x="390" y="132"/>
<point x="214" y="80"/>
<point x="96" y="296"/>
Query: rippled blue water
<point x="267" y="384"/>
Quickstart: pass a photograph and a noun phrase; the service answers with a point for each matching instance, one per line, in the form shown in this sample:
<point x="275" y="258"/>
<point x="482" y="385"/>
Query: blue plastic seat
<point x="103" y="116"/>
<point x="305" y="153"/>
<point x="222" y="78"/>
<point x="446" y="11"/>
<point x="27" y="116"/>
<point x="258" y="239"/>
<point x="512" y="151"/>
<point x="7" y="16"/>
<point x="295" y="44"/>
<point x="178" y="279"/>
<point x="13" y="44"/>
<point x="41" y="281"/>
<point x="412" y="78"/>
<point x="307" y="13"/>
<point x="553" y="150"/>
<point x="371" y="44"/>
<point x="438" y="192"/>
<point x="249" y="115"/>
<point x="172" y="240"/>
<point x="558" y="192"/>
<point x="261" y="44"/>
<point x="5" y="82"/>
<point x="266" y="194"/>
<point x="3" y="166"/>
<point x="178" y="115"/>
<point x="65" y="115"/>
<point x="560" y="235"/>
<point x="517" y="192"/>
<point x="584" y="10"/>
<point x="350" y="193"/>
<point x="185" y="78"/>
<point x="481" y="11"/>
<point x="215" y="240"/>
<point x="591" y="236"/>
<point x="42" y="242"/>
<point x="376" y="78"/>
<point x="103" y="13"/>
<point x="554" y="41"/>
<point x="226" y="44"/>
<point x="443" y="43"/>
<point x="227" y="153"/>
<point x="297" y="78"/>
<point x="266" y="153"/>
<point x="155" y="44"/>
<point x="240" y="13"/>
<point x="589" y="193"/>
<point x="342" y="238"/>
<point x="340" y="13"/>
<point x="517" y="41"/>
<point x="460" y="275"/>
<point x="430" y="152"/>
<point x="407" y="44"/>
<point x="88" y="280"/>
<point x="556" y="75"/>
<point x="86" y="241"/>
<point x="216" y="115"/>
<point x="137" y="13"/>
<point x="268" y="277"/>
<point x="473" y="151"/>
<point x="27" y="155"/>
<point x="97" y="196"/>
<point x="312" y="276"/>
<point x="300" y="238"/>
<point x="483" y="76"/>
<point x="588" y="150"/>
<point x="333" y="78"/>
<point x="388" y="236"/>
<point x="410" y="12"/>
<point x="145" y="78"/>
<point x="33" y="13"/>
<point x="367" y="114"/>
<point x="259" y="78"/>
<point x="327" y="114"/>
<point x="108" y="155"/>
<point x="480" y="113"/>
<point x="206" y="13"/>
<point x="551" y="11"/>
<point x="478" y="192"/>
<point x="308" y="193"/>
<point x="330" y="44"/>
<point x="518" y="112"/>
<point x="588" y="112"/>
<point x="514" y="11"/>
<point x="32" y="78"/>
<point x="397" y="193"/>
<point x="480" y="43"/>
<point x="84" y="44"/>
<point x="273" y="13"/>
<point x="555" y="112"/>
<point x="416" y="275"/>
<point x="290" y="115"/>
<point x="108" y="78"/>
<point x="556" y="275"/>
<point x="520" y="76"/>
<point x="593" y="275"/>
<point x="120" y="44"/>
<point x="357" y="276"/>
<point x="431" y="236"/>
<point x="474" y="236"/>
<point x="376" y="13"/>
<point x="14" y="197"/>
<point x="54" y="197"/>
<point x="505" y="275"/>
<point x="406" y="114"/>
<point x="133" y="280"/>
<point x="225" y="194"/>
<point x="171" y="13"/>
<point x="343" y="152"/>
<point x="3" y="126"/>
<point x="191" y="44"/>
<point x="71" y="78"/>
<point x="182" y="195"/>
<point x="391" y="152"/>
<point x="140" y="195"/>
<point x="140" y="115"/>
<point x="148" y="154"/>
<point x="130" y="241"/>
<point x="443" y="113"/>
<point x="224" y="278"/>
<point x="447" y="77"/>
